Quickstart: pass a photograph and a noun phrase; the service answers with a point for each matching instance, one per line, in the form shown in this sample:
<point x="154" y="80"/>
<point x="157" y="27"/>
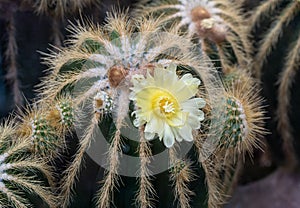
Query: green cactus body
<point x="44" y="139"/>
<point x="235" y="126"/>
<point x="136" y="70"/>
<point x="177" y="167"/>
<point x="24" y="179"/>
<point x="66" y="112"/>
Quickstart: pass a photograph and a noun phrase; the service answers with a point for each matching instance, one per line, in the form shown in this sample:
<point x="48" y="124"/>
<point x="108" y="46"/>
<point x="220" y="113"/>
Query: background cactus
<point x="275" y="32"/>
<point x="22" y="176"/>
<point x="218" y="25"/>
<point x="281" y="69"/>
<point x="52" y="17"/>
<point x="59" y="8"/>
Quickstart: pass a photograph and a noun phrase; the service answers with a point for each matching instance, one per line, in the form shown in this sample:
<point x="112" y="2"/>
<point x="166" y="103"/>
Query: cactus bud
<point x="116" y="75"/>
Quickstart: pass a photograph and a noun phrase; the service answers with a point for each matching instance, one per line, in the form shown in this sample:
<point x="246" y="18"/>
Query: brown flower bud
<point x="213" y="32"/>
<point x="199" y="13"/>
<point x="116" y="74"/>
<point x="218" y="34"/>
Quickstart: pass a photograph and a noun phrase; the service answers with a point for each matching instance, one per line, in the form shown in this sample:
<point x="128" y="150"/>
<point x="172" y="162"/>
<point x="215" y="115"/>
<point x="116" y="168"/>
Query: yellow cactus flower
<point x="167" y="105"/>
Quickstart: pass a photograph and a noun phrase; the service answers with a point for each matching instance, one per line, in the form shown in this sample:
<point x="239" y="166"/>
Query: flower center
<point x="164" y="104"/>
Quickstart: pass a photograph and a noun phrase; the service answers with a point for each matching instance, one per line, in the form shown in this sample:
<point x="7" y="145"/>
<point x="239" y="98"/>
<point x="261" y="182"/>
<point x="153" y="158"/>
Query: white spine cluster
<point x="66" y="113"/>
<point x="244" y="126"/>
<point x="3" y="175"/>
<point x="103" y="103"/>
<point x="34" y="130"/>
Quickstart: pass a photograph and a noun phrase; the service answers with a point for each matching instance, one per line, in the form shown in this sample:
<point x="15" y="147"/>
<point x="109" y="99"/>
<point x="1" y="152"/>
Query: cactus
<point x="46" y="126"/>
<point x="125" y="63"/>
<point x="146" y="74"/>
<point x="218" y="25"/>
<point x="11" y="52"/>
<point x="58" y="8"/>
<point x="22" y="175"/>
<point x="270" y="40"/>
<point x="119" y="59"/>
<point x="244" y="115"/>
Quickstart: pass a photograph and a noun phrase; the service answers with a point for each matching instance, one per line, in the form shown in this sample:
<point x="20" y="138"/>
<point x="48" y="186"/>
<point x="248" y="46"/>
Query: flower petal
<point x="201" y="115"/>
<point x="182" y="92"/>
<point x="149" y="136"/>
<point x="179" y="119"/>
<point x="186" y="133"/>
<point x="200" y="102"/>
<point x="193" y="104"/>
<point x="155" y="125"/>
<point x="172" y="67"/>
<point x="191" y="82"/>
<point x="168" y="138"/>
<point x="136" y="122"/>
<point x="177" y="135"/>
<point x="194" y="122"/>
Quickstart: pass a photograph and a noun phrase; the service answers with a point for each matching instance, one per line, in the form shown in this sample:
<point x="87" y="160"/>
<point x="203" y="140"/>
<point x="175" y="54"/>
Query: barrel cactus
<point x="163" y="111"/>
<point x="22" y="176"/>
<point x="218" y="25"/>
<point x="132" y="72"/>
<point x="275" y="30"/>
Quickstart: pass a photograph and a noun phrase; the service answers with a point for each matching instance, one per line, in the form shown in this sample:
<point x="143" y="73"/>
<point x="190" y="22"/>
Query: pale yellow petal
<point x="168" y="137"/>
<point x="183" y="93"/>
<point x="149" y="136"/>
<point x="177" y="135"/>
<point x="186" y="133"/>
<point x="179" y="119"/>
<point x="191" y="82"/>
<point x="155" y="125"/>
